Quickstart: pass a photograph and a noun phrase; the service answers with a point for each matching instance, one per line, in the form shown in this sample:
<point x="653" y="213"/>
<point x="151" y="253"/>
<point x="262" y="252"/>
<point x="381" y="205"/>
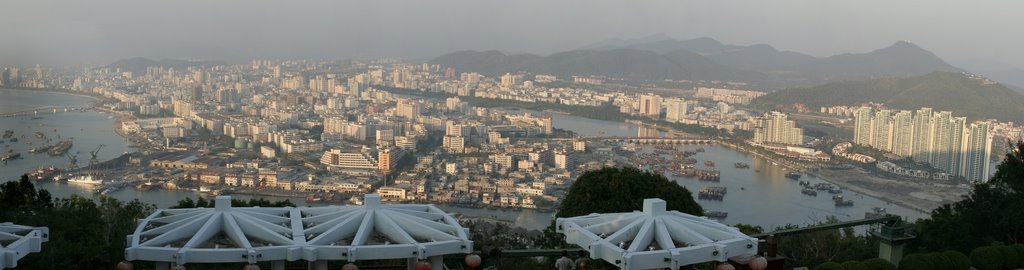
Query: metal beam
<point x="825" y="227"/>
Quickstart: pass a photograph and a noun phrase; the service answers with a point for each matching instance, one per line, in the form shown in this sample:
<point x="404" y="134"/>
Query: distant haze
<point x="100" y="32"/>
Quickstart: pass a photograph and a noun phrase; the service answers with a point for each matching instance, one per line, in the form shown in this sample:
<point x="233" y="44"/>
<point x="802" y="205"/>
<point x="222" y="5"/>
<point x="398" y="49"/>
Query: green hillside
<point x="968" y="96"/>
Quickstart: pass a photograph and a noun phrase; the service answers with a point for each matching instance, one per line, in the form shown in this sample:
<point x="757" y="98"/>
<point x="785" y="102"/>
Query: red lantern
<point x="251" y="267"/>
<point x="725" y="266"/>
<point x="758" y="263"/>
<point x="422" y="266"/>
<point x="473" y="261"/>
<point x="125" y="265"/>
<point x="178" y="267"/>
<point x="349" y="266"/>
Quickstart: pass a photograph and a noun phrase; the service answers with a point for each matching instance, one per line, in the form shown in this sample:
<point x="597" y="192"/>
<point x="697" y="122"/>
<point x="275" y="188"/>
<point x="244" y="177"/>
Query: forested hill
<point x="965" y="95"/>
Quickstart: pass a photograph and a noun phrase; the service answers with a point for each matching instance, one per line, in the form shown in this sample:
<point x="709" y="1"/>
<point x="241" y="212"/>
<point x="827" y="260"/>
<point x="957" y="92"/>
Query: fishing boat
<point x="793" y="175"/>
<point x="715" y="214"/>
<point x="841" y="202"/>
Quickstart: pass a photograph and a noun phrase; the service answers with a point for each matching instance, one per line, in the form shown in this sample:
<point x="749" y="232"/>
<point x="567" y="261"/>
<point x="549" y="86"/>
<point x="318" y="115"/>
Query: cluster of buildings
<point x="944" y="141"/>
<point x="776" y="128"/>
<point x="843" y="150"/>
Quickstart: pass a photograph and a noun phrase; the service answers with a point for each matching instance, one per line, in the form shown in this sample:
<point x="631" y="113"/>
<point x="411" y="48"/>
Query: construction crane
<point x="93" y="160"/>
<point x="74" y="162"/>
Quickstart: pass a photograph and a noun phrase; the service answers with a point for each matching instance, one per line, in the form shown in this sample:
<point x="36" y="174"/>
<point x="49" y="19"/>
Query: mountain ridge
<point x="707" y="59"/>
<point x="964" y="94"/>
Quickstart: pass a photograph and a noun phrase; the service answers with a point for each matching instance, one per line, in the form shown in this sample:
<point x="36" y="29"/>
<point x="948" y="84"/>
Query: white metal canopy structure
<point x="376" y="231"/>
<point x="227" y="234"/>
<point x="655" y="238"/>
<point x="16" y="241"/>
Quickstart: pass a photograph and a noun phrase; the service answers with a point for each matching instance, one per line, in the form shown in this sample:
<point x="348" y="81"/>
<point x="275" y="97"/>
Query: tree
<point x="879" y="264"/>
<point x="84" y="234"/>
<point x="204" y="203"/>
<point x="959" y="260"/>
<point x="987" y="258"/>
<point x="826" y="246"/>
<point x="854" y="265"/>
<point x="611" y="190"/>
<point x="990" y="213"/>
<point x="829" y="266"/>
<point x="915" y="262"/>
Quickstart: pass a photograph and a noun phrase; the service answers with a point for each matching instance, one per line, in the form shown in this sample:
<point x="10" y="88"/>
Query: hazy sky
<point x="99" y="32"/>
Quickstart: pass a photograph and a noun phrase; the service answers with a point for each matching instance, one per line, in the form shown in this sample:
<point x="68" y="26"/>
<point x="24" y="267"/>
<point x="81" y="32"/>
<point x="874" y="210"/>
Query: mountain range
<point x="975" y="97"/>
<point x="659" y="58"/>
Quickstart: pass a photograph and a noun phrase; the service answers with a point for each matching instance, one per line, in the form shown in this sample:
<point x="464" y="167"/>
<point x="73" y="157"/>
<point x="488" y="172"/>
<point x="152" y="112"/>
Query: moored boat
<point x="85" y="180"/>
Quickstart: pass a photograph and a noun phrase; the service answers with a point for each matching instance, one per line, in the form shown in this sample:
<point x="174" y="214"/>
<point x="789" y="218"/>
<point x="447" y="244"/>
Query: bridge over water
<point x="46" y="110"/>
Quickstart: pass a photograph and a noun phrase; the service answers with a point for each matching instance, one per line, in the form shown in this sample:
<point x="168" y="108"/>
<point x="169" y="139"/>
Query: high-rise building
<point x="675" y="109"/>
<point x="509" y="80"/>
<point x="562" y="160"/>
<point x="957" y="132"/>
<point x="5" y="77"/>
<point x="774" y="127"/>
<point x="650" y="105"/>
<point x="410" y="109"/>
<point x="937" y="138"/>
<point x="942" y="141"/>
<point x="388" y="158"/>
<point x="923" y="133"/>
<point x="881" y="129"/>
<point x="977" y="150"/>
<point x="454" y="144"/>
<point x="862" y="126"/>
<point x="197" y="93"/>
<point x="546" y="126"/>
<point x="902" y="133"/>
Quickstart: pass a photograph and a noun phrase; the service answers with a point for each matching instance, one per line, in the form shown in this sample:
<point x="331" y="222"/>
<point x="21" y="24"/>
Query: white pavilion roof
<point x="655" y="238"/>
<point x="251" y="234"/>
<point x="16" y="241"/>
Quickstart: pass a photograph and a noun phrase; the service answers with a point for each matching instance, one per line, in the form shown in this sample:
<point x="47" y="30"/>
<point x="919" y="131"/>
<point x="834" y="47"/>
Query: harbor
<point x="754" y="190"/>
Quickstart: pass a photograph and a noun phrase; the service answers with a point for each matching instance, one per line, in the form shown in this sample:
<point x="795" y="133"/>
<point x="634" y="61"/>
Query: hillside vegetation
<point x="943" y="91"/>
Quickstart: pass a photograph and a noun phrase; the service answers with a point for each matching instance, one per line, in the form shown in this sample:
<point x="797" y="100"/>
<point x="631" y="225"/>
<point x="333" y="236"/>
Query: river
<point x="761" y="195"/>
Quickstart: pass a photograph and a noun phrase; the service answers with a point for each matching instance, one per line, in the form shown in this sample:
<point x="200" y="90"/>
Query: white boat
<point x="86" y="180"/>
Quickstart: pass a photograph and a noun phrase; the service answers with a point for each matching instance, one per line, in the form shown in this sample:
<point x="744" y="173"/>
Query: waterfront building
<point x="650" y="105"/>
<point x="937" y="138"/>
<point x="881" y="130"/>
<point x="862" y="127"/>
<point x="977" y="150"/>
<point x="923" y="133"/>
<point x="902" y="129"/>
<point x="775" y="128"/>
<point x="675" y="109"/>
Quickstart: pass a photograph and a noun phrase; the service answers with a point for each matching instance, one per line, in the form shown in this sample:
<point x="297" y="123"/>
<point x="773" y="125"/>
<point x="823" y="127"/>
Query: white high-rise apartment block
<point x="946" y="142"/>
<point x="774" y="127"/>
<point x="675" y="109"/>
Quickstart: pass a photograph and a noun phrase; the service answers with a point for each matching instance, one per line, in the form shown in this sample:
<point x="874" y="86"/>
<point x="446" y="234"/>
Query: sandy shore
<point x="919" y="195"/>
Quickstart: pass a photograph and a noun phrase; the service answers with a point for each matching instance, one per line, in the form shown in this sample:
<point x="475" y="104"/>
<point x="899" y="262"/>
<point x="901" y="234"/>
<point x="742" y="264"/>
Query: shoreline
<point x="57" y="91"/>
<point x="846" y="185"/>
<point x="874" y="194"/>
